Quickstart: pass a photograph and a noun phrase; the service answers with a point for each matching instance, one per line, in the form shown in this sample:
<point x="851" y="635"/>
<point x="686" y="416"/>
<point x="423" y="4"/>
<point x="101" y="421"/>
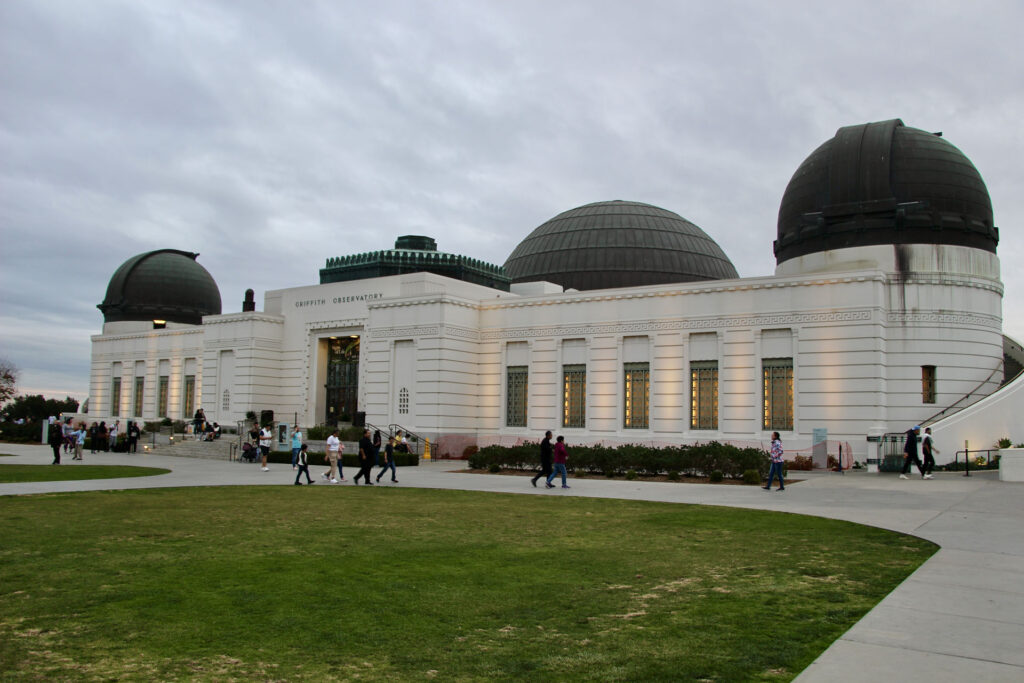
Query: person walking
<point x="928" y="448"/>
<point x="302" y="460"/>
<point x="910" y="452"/>
<point x="55" y="438"/>
<point x="79" y="437"/>
<point x="775" y="454"/>
<point x="113" y="435"/>
<point x="101" y="436"/>
<point x="265" y="437"/>
<point x="561" y="455"/>
<point x="545" y="458"/>
<point x="389" y="461"/>
<point x="334" y="451"/>
<point x="296" y="445"/>
<point x="365" y="459"/>
<point x="376" y="448"/>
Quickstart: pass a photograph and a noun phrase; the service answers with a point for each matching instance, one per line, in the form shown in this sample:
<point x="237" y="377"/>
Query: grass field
<point x="10" y="474"/>
<point x="317" y="583"/>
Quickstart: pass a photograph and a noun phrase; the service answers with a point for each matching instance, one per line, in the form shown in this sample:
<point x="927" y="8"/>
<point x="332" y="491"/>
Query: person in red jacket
<point x="561" y="455"/>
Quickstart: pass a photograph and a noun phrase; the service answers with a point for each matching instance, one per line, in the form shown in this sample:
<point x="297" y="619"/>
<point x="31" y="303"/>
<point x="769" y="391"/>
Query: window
<point x="704" y="394"/>
<point x="115" y="397"/>
<point x="225" y="400"/>
<point x="516" y="386"/>
<point x="161" y="408"/>
<point x="777" y="383"/>
<point x="140" y="385"/>
<point x="574" y="395"/>
<point x="403" y="401"/>
<point x="928" y="384"/>
<point x="189" y="403"/>
<point x="638" y="394"/>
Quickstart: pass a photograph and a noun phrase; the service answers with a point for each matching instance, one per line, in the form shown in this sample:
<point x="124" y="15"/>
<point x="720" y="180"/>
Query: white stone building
<point x="622" y="323"/>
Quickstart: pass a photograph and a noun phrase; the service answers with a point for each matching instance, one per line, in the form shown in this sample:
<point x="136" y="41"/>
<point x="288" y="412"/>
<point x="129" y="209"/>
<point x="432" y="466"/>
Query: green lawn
<point x="10" y="474"/>
<point x="318" y="583"/>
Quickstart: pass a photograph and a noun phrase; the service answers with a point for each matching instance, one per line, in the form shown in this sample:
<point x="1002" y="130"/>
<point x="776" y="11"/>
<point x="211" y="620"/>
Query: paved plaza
<point x="960" y="616"/>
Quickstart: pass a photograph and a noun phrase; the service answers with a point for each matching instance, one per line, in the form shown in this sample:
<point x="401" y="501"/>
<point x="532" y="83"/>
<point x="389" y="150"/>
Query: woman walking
<point x="561" y="455"/>
<point x="776" y="456"/>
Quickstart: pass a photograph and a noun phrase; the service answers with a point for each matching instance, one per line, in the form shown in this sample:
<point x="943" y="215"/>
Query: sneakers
<point x="310" y="482"/>
<point x="767" y="488"/>
<point x="903" y="476"/>
<point x="534" y="482"/>
<point x="781" y="488"/>
<point x="549" y="485"/>
<point x="566" y="487"/>
<point x="326" y="476"/>
<point x="394" y="481"/>
<point x="334" y="481"/>
<point x="298" y="483"/>
<point x="265" y="469"/>
<point x="344" y="479"/>
<point x="928" y="476"/>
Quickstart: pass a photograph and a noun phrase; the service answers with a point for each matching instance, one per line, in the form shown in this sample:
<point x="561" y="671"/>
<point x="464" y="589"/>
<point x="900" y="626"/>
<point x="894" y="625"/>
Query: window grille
<point x="574" y="395"/>
<point x="777" y="381"/>
<point x="225" y="400"/>
<point x="928" y="384"/>
<point x="637" y="395"/>
<point x="704" y="394"/>
<point x="161" y="408"/>
<point x="516" y="387"/>
<point x="403" y="401"/>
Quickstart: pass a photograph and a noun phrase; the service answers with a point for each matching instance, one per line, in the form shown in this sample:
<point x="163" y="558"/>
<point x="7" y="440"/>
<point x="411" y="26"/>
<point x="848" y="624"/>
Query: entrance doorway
<point x="342" y="379"/>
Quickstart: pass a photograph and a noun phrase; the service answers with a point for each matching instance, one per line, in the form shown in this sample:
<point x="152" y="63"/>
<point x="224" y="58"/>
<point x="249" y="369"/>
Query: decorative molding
<point x="334" y="324"/>
<point x="426" y="300"/>
<point x="945" y="280"/>
<point x="413" y="332"/>
<point x="230" y="318"/>
<point x="144" y="335"/>
<point x="461" y="332"/>
<point x="695" y="324"/>
<point x="966" y="319"/>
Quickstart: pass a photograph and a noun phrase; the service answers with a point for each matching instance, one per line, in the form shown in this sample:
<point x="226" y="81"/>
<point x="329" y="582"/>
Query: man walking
<point x="265" y="438"/>
<point x="545" y="459"/>
<point x="560" y="458"/>
<point x="910" y="452"/>
<point x="927" y="448"/>
<point x="365" y="458"/>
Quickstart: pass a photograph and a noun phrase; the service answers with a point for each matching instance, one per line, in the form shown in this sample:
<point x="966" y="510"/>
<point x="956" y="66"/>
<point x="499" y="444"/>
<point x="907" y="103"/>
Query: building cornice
<point x="243" y="317"/>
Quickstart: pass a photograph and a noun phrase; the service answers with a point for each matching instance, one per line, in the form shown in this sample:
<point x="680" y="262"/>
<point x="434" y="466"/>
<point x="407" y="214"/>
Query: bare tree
<point x="8" y="379"/>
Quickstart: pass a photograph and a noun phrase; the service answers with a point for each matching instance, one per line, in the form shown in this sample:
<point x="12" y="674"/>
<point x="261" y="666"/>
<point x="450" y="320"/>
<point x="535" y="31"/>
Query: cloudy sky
<point x="269" y="136"/>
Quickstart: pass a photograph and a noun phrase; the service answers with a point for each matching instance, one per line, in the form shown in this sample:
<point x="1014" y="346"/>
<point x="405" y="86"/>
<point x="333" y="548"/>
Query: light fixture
<point x="332" y="337"/>
<point x="353" y="336"/>
<point x="159" y="324"/>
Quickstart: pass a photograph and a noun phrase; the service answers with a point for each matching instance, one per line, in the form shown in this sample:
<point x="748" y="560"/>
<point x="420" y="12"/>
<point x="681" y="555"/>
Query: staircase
<point x="190" y="448"/>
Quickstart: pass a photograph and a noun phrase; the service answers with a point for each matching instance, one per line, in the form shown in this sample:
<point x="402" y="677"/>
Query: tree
<point x="8" y="380"/>
<point x="37" y="407"/>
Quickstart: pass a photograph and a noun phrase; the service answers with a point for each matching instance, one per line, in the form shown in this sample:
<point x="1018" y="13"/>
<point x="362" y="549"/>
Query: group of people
<point x="71" y="438"/>
<point x="552" y="461"/>
<point x="203" y="429"/>
<point x="370" y="455"/>
<point x="910" y="455"/>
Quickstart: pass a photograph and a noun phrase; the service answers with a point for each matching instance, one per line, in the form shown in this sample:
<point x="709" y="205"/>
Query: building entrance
<point x="342" y="379"/>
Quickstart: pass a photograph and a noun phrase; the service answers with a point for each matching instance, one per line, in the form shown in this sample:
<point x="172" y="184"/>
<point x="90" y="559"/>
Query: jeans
<point x="775" y="468"/>
<point x="384" y="468"/>
<point x="559" y="469"/>
<point x="295" y="456"/>
<point x="912" y="459"/>
<point x="303" y="469"/>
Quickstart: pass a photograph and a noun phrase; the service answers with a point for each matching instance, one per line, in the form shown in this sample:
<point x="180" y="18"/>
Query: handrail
<point x="998" y="367"/>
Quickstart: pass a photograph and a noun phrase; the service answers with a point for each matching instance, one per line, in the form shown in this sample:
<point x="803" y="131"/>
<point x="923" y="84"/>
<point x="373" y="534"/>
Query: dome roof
<point x="618" y="244"/>
<point x="166" y="284"/>
<point x="884" y="183"/>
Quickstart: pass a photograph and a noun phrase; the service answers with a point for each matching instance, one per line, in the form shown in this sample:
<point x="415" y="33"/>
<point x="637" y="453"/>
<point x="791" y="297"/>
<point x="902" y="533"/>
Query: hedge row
<point x="698" y="460"/>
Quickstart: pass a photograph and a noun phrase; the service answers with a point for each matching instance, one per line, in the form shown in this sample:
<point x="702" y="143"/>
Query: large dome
<point x="166" y="284"/>
<point x="618" y="244"/>
<point x="884" y="183"/>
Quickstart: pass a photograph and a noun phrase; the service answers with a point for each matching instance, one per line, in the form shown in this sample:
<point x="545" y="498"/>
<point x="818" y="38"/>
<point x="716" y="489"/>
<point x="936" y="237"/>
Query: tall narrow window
<point x="189" y="403"/>
<point x="161" y="408"/>
<point x="115" y="397"/>
<point x="637" y="394"/>
<point x="140" y="385"/>
<point x="928" y="383"/>
<point x="574" y="395"/>
<point x="516" y="385"/>
<point x="777" y="382"/>
<point x="225" y="400"/>
<point x="704" y="394"/>
<point x="403" y="401"/>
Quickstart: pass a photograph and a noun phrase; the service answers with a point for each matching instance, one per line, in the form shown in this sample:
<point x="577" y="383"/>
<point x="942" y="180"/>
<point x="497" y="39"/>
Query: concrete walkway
<point x="959" y="617"/>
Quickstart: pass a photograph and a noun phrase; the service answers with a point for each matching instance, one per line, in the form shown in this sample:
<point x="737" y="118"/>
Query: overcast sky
<point x="269" y="136"/>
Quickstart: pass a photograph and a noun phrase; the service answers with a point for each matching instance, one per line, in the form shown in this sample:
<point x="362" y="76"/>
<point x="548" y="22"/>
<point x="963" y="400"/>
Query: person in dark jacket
<point x="910" y="452"/>
<point x="389" y="461"/>
<point x="56" y="439"/>
<point x="365" y="458"/>
<point x="561" y="455"/>
<point x="302" y="462"/>
<point x="545" y="458"/>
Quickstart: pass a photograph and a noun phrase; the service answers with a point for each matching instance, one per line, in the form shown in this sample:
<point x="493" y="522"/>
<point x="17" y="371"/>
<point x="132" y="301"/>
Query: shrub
<point x="673" y="475"/>
<point x="178" y="426"/>
<point x="469" y="450"/>
<point x="155" y="425"/>
<point x="494" y="467"/>
<point x="1004" y="443"/>
<point x="716" y="476"/>
<point x="631" y="475"/>
<point x="318" y="433"/>
<point x="801" y="462"/>
<point x="751" y="477"/>
<point x="166" y="422"/>
<point x="610" y="474"/>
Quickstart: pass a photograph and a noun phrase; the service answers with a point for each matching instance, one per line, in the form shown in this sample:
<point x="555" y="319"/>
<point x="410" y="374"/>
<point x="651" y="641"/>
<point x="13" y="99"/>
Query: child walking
<point x="303" y="465"/>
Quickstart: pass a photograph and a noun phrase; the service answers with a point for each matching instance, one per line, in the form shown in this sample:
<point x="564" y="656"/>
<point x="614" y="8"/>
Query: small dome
<point x="884" y="183"/>
<point x="166" y="284"/>
<point x="618" y="244"/>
